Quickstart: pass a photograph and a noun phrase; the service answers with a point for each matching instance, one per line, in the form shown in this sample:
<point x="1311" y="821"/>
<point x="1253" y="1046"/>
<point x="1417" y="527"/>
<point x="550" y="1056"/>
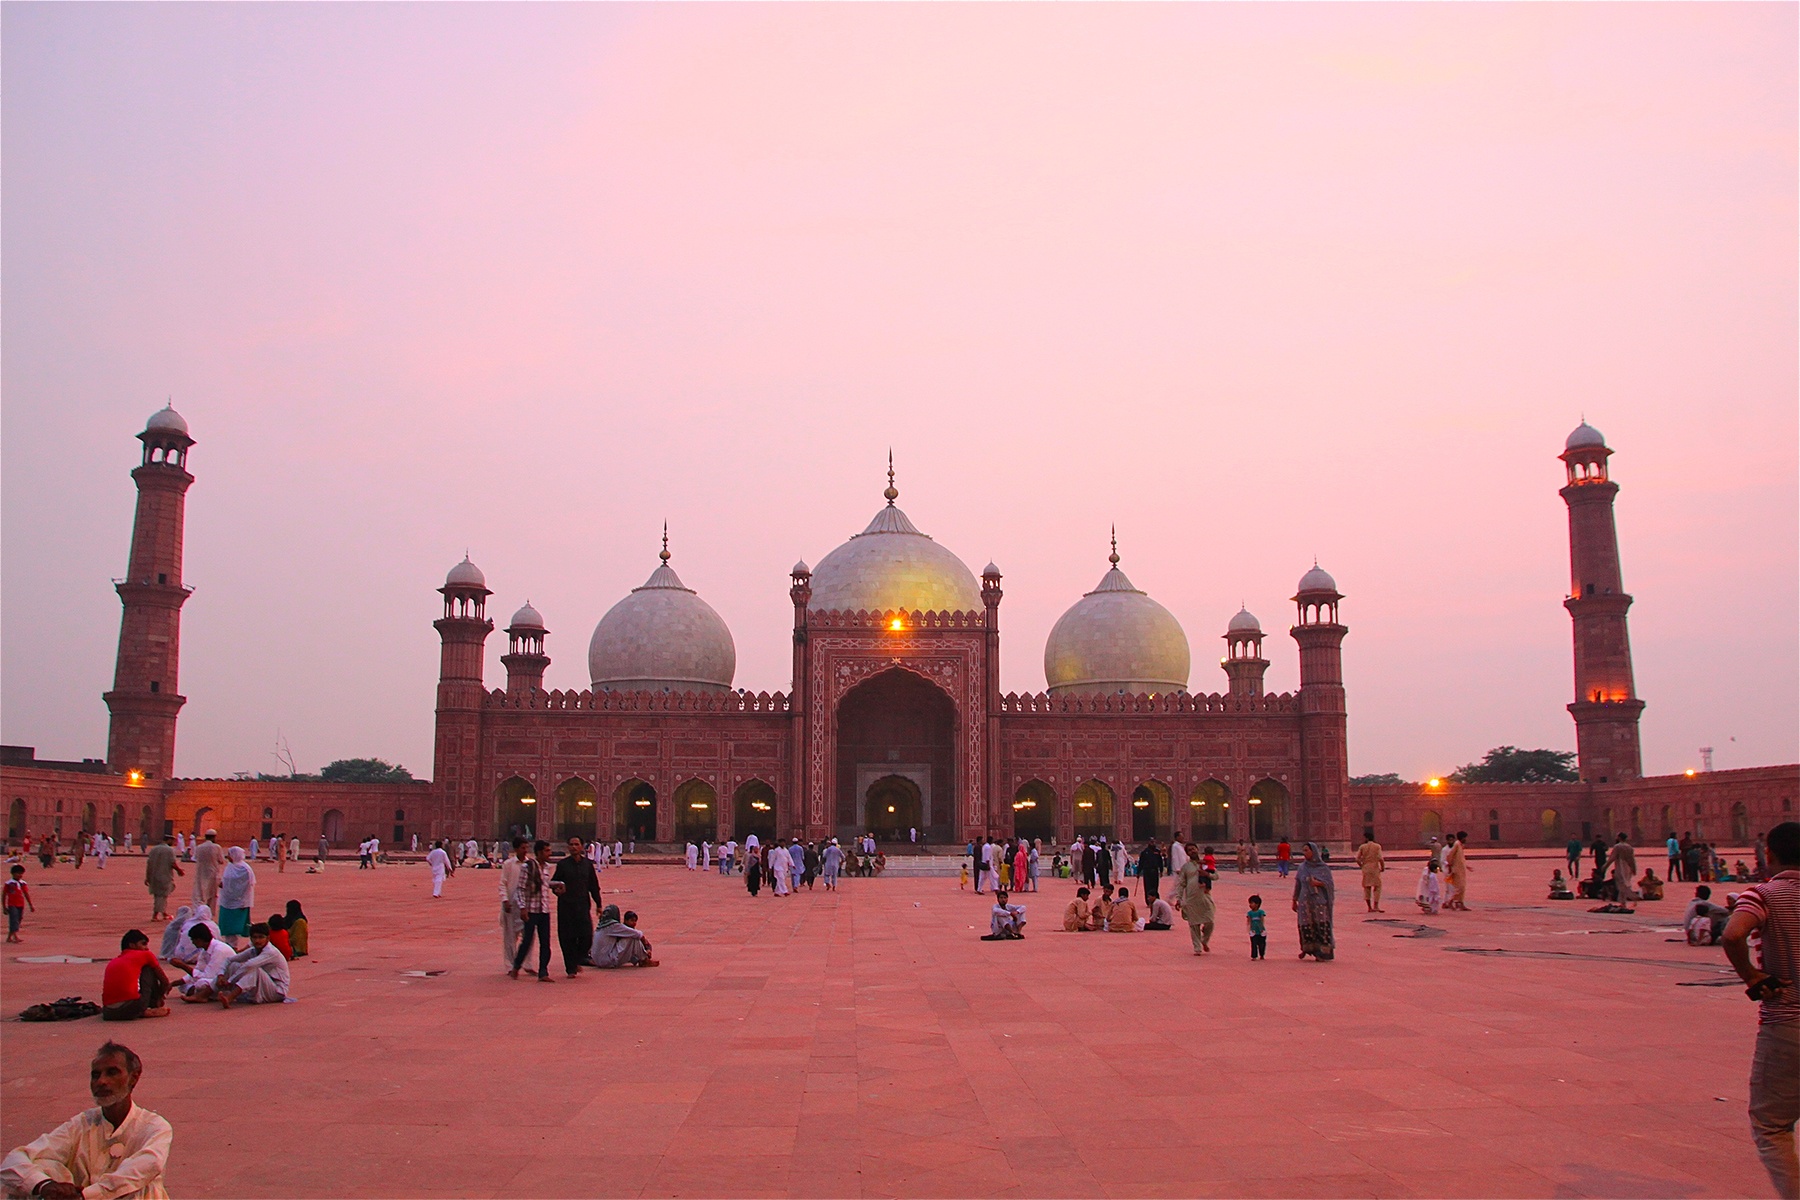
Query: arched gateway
<point x="896" y="758"/>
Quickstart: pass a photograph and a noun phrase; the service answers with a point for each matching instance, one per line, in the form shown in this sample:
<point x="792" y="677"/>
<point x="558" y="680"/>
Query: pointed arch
<point x="696" y="812"/>
<point x="753" y="810"/>
<point x="1211" y="806"/>
<point x="515" y="809"/>
<point x="634" y="808"/>
<point x="1271" y="811"/>
<point x="1034" y="810"/>
<point x="577" y="809"/>
<point x="1094" y="810"/>
<point x="1151" y="804"/>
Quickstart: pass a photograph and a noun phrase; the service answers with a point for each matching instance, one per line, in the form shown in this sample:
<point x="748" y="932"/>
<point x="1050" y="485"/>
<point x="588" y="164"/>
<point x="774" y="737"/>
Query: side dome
<point x="166" y="420"/>
<point x="1584" y="435"/>
<point x="526" y="618"/>
<point x="1116" y="639"/>
<point x="1317" y="580"/>
<point x="1244" y="622"/>
<point x="465" y="574"/>
<point x="892" y="566"/>
<point x="662" y="637"/>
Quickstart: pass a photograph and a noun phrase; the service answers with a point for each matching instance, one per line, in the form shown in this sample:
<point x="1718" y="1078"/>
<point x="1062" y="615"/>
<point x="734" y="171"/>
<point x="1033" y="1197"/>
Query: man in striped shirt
<point x="1772" y="912"/>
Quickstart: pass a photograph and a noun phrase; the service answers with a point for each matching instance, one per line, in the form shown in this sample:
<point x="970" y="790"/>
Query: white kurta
<point x="693" y="856"/>
<point x="263" y="974"/>
<point x="208" y="965"/>
<point x="779" y="868"/>
<point x="106" y="1163"/>
<point x="439" y="862"/>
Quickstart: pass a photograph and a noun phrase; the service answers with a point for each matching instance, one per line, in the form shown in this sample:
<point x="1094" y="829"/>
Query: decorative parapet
<point x="1042" y="704"/>
<point x="863" y="619"/>
<point x="587" y="700"/>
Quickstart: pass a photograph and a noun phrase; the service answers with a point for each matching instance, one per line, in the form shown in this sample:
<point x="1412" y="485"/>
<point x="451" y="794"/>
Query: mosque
<point x="894" y="721"/>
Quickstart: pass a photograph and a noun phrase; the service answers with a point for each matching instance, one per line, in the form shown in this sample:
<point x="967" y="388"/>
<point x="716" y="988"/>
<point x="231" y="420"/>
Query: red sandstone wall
<point x="59" y="802"/>
<point x="237" y="807"/>
<point x="1726" y="807"/>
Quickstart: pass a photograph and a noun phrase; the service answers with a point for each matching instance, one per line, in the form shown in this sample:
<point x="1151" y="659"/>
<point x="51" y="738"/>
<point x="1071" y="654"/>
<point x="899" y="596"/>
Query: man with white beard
<point x="118" y="1150"/>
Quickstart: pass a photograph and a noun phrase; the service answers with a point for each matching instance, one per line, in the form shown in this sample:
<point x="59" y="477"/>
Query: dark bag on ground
<point x="69" y="1008"/>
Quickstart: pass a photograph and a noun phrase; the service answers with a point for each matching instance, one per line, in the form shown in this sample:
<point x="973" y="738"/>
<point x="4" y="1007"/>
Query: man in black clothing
<point x="577" y="900"/>
<point x="1150" y="869"/>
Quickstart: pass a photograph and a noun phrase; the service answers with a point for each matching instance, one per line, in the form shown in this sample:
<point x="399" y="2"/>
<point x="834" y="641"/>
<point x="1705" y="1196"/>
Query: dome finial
<point x="665" y="550"/>
<point x="1113" y="558"/>
<point x="891" y="492"/>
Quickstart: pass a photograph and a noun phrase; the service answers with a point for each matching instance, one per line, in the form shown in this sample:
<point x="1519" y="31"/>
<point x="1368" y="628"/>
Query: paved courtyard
<point x="868" y="1044"/>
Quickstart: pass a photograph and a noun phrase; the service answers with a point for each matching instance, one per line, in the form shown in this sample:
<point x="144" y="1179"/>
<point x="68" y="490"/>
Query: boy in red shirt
<point x="134" y="984"/>
<point x="18" y="895"/>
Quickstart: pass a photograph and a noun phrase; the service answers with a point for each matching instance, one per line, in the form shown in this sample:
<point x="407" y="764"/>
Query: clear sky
<point x="1255" y="282"/>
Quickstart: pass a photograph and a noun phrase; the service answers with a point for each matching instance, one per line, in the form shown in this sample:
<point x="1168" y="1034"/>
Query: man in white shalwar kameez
<point x="211" y="957"/>
<point x="780" y="869"/>
<point x="117" y="1151"/>
<point x="1177" y="857"/>
<point x="706" y="856"/>
<point x="257" y="974"/>
<point x="439" y="862"/>
<point x="693" y="856"/>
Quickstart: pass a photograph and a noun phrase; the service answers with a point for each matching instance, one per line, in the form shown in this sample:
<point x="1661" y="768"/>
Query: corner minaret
<point x="525" y="660"/>
<point x="145" y="700"/>
<point x="1244" y="663"/>
<point x="1324" y="738"/>
<point x="464" y="628"/>
<point x="1606" y="707"/>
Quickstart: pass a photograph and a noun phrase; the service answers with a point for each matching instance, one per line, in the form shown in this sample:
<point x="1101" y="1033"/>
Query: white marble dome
<point x="892" y="566"/>
<point x="465" y="574"/>
<point x="1584" y="435"/>
<point x="1317" y="580"/>
<point x="166" y="420"/>
<point x="1116" y="639"/>
<point x="526" y="618"/>
<point x="662" y="637"/>
<point x="1244" y="622"/>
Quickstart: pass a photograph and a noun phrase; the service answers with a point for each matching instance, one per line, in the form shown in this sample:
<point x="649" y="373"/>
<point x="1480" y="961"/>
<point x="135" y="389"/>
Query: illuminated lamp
<point x="1084" y="804"/>
<point x="890" y="808"/>
<point x="641" y="803"/>
<point x="1140" y="804"/>
<point x="135" y="776"/>
<point x="701" y="804"/>
<point x="584" y="804"/>
<point x="527" y="799"/>
<point x="1256" y="799"/>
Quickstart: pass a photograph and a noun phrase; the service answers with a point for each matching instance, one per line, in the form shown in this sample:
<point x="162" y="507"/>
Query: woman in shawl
<point x="237" y="895"/>
<point x="174" y="932"/>
<point x="297" y="928"/>
<point x="753" y="871"/>
<point x="1314" y="898"/>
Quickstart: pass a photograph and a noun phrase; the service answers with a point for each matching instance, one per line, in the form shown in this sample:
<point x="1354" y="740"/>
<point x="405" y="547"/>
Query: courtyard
<point x="868" y="1044"/>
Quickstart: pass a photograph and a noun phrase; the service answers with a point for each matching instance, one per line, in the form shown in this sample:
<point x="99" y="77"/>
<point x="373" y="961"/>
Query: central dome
<point x="662" y="637"/>
<point x="1116" y="639"/>
<point x="892" y="566"/>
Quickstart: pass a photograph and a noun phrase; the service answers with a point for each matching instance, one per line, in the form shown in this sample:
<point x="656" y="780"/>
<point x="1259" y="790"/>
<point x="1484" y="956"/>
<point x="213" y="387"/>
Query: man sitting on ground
<point x="1650" y="885"/>
<point x="1559" y="887"/>
<point x="118" y="1150"/>
<point x="618" y="943"/>
<point x="211" y="956"/>
<point x="257" y="974"/>
<point x="134" y="984"/>
<point x="1703" y="920"/>
<point x="1162" y="916"/>
<point x="1075" y="917"/>
<point x="1123" y="918"/>
<point x="1102" y="909"/>
<point x="1007" y="921"/>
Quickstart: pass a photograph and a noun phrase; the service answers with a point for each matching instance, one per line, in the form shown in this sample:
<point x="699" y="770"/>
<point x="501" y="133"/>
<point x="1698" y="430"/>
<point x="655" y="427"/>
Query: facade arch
<point x="118" y="824"/>
<point x="577" y="809"/>
<point x="201" y="816"/>
<point x="1740" y="824"/>
<point x="753" y="811"/>
<point x="898" y="722"/>
<point x="1271" y="811"/>
<point x="90" y="822"/>
<point x="15" y="820"/>
<point x="1151" y="807"/>
<point x="1431" y="824"/>
<point x="696" y="812"/>
<point x="331" y="826"/>
<point x="1034" y="810"/>
<point x="515" y="809"/>
<point x="634" y="808"/>
<point x="144" y="819"/>
<point x="1550" y="827"/>
<point x="1211" y="808"/>
<point x="1094" y="810"/>
<point x="893" y="805"/>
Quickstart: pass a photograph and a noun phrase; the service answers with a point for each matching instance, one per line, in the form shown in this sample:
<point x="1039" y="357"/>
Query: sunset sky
<point x="1255" y="283"/>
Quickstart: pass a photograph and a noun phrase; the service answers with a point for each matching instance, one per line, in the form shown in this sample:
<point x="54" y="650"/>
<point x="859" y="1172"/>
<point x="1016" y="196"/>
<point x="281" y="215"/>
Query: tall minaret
<point x="144" y="700"/>
<point x="1606" y="707"/>
<point x="1243" y="662"/>
<point x="525" y="660"/>
<point x="456" y="757"/>
<point x="1324" y="737"/>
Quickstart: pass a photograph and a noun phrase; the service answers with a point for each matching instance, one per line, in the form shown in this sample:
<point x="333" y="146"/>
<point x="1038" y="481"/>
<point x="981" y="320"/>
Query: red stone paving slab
<point x="868" y="1044"/>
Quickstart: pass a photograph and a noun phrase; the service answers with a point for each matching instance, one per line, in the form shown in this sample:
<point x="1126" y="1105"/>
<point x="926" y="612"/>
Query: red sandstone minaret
<point x="1324" y="753"/>
<point x="144" y="700"/>
<point x="1244" y="663"/>
<point x="464" y="628"/>
<point x="1606" y="707"/>
<point x="525" y="660"/>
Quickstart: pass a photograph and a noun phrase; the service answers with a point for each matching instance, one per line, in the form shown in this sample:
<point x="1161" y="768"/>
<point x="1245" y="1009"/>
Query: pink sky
<point x="1254" y="282"/>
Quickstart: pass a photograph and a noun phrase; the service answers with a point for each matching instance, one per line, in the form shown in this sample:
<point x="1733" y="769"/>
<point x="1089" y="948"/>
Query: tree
<point x="365" y="770"/>
<point x="1370" y="780"/>
<point x="1509" y="764"/>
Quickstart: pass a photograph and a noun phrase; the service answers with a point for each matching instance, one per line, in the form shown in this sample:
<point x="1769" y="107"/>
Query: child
<point x="1559" y="887"/>
<point x="18" y="896"/>
<point x="963" y="886"/>
<point x="278" y="936"/>
<point x="1007" y="922"/>
<point x="1259" y="938"/>
<point x="1075" y="917"/>
<point x="1430" y="896"/>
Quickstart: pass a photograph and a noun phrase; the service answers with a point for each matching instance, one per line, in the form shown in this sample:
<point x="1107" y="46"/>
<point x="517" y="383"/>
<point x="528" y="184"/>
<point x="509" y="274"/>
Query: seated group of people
<point x="618" y="942"/>
<point x="135" y="984"/>
<point x="1114" y="912"/>
<point x="1702" y="921"/>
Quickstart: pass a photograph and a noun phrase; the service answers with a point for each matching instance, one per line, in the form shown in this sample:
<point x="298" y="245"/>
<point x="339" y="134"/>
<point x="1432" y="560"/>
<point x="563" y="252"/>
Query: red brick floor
<point x="868" y="1044"/>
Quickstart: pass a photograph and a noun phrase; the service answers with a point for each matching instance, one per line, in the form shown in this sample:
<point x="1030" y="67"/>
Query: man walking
<point x="1772" y="911"/>
<point x="1368" y="857"/>
<point x="1674" y="850"/>
<point x="577" y="887"/>
<point x="532" y="898"/>
<point x="509" y="911"/>
<point x="1623" y="860"/>
<point x="1194" y="898"/>
<point x="209" y="861"/>
<point x="160" y="870"/>
<point x="439" y="862"/>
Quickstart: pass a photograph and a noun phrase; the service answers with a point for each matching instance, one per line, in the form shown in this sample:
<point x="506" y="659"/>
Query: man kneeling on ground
<point x="618" y="943"/>
<point x="118" y="1150"/>
<point x="1007" y="921"/>
<point x="257" y="974"/>
<point x="134" y="984"/>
